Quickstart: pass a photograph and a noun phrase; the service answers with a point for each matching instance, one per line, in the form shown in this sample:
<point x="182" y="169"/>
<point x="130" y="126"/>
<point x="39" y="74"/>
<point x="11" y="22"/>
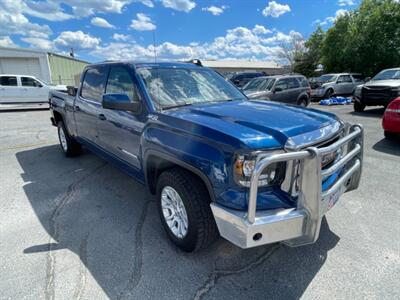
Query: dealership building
<point x="47" y="66"/>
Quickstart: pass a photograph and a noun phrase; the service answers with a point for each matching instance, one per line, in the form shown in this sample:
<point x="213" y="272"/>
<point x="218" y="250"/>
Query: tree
<point x="306" y="62"/>
<point x="292" y="48"/>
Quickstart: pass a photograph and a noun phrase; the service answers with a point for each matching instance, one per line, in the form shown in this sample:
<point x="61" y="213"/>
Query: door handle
<point x="102" y="117"/>
<point x="77" y="108"/>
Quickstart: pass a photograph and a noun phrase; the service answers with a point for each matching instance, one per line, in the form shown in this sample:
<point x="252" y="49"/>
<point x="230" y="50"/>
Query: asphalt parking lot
<point x="81" y="229"/>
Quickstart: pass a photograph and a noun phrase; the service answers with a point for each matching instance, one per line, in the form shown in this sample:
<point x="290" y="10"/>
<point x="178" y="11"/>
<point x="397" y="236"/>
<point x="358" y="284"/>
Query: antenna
<point x="155" y="62"/>
<point x="154" y="46"/>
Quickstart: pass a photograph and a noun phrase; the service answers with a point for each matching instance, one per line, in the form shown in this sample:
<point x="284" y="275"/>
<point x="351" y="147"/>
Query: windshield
<point x="327" y="78"/>
<point x="389" y="74"/>
<point x="259" y="84"/>
<point x="172" y="87"/>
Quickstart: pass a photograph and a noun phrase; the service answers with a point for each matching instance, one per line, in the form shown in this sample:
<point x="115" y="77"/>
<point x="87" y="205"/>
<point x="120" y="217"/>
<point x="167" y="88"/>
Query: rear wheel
<point x="303" y="102"/>
<point x="358" y="106"/>
<point x="184" y="208"/>
<point x="69" y="146"/>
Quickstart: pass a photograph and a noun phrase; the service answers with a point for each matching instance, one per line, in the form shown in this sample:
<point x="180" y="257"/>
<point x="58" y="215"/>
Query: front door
<point x="120" y="131"/>
<point x="280" y="90"/>
<point x="344" y="85"/>
<point x="88" y="103"/>
<point x="33" y="91"/>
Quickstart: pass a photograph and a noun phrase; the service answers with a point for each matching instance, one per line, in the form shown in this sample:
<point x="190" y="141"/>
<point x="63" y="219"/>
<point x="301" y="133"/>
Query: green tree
<point x="307" y="61"/>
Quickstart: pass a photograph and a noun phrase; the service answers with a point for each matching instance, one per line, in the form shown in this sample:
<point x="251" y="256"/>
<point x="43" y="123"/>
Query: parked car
<point x="379" y="91"/>
<point x="241" y="79"/>
<point x="292" y="89"/>
<point x="329" y="85"/>
<point x="25" y="89"/>
<point x="391" y="119"/>
<point x="257" y="172"/>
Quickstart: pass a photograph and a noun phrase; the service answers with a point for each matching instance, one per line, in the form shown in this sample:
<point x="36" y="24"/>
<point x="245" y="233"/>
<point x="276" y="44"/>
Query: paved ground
<point x="81" y="229"/>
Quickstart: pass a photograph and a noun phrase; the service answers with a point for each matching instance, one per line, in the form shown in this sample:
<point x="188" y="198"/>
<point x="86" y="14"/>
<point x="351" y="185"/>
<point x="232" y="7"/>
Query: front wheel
<point x="184" y="207"/>
<point x="69" y="146"/>
<point x="328" y="94"/>
<point x="390" y="135"/>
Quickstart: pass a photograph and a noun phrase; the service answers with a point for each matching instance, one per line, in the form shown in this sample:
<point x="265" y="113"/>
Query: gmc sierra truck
<point x="254" y="172"/>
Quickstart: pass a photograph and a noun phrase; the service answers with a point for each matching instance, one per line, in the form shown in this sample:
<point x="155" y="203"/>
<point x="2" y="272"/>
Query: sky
<point x="142" y="30"/>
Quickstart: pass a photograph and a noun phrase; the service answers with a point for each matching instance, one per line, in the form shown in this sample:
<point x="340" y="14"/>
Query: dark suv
<point x="241" y="79"/>
<point x="291" y="89"/>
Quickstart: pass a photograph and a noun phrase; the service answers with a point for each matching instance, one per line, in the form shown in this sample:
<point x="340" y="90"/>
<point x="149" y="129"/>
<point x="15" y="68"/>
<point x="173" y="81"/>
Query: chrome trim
<point x="300" y="225"/>
<point x="128" y="153"/>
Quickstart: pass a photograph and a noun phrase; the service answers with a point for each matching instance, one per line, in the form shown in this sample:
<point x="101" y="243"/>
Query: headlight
<point x="274" y="174"/>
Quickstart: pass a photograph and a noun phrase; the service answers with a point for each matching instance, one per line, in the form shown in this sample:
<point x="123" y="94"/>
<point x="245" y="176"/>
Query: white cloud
<point x="100" y="22"/>
<point x="180" y="5"/>
<point x="48" y="10"/>
<point x="331" y="19"/>
<point x="346" y="2"/>
<point x="77" y="40"/>
<point x="6" y="41"/>
<point x="275" y="9"/>
<point x="143" y="23"/>
<point x="215" y="10"/>
<point x="39" y="43"/>
<point x="121" y="37"/>
<point x="259" y="29"/>
<point x="148" y="3"/>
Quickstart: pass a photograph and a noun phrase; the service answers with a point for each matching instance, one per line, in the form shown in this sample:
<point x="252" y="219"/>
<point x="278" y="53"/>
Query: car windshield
<point x="173" y="87"/>
<point x="389" y="74"/>
<point x="259" y="84"/>
<point x="327" y="78"/>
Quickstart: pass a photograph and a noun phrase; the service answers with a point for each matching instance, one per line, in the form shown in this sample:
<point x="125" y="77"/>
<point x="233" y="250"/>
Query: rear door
<point x="9" y="89"/>
<point x="87" y="107"/>
<point x="344" y="85"/>
<point x="33" y="91"/>
<point x="293" y="92"/>
<point x="120" y="131"/>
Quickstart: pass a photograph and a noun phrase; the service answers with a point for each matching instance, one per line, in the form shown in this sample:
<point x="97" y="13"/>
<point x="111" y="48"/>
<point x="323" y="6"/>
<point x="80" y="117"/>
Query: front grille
<point x="376" y="93"/>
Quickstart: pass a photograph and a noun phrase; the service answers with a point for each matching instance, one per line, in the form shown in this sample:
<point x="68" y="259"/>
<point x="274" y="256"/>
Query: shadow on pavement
<point x="110" y="222"/>
<point x="388" y="146"/>
<point x="374" y="113"/>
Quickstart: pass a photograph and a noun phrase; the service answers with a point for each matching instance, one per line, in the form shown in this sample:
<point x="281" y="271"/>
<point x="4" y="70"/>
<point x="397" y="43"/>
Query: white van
<point x="25" y="89"/>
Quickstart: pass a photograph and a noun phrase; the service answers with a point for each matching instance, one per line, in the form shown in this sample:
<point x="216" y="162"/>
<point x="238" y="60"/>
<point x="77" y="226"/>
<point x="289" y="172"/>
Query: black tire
<point x="328" y="94"/>
<point x="303" y="102"/>
<point x="358" y="106"/>
<point x="201" y="229"/>
<point x="390" y="135"/>
<point x="71" y="147"/>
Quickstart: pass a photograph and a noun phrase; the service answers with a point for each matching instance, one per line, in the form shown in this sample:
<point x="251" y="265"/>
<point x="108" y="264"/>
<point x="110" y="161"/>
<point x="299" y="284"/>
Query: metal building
<point x="227" y="66"/>
<point x="47" y="66"/>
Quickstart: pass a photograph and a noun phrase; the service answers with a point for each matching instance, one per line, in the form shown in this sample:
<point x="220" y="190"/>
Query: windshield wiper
<point x="175" y="106"/>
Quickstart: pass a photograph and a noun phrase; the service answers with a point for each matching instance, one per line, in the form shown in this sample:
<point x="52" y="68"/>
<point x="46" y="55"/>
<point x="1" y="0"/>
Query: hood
<point x="390" y="83"/>
<point x="257" y="124"/>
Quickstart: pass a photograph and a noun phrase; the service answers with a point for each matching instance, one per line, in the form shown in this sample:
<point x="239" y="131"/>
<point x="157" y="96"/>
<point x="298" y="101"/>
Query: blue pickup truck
<point x="254" y="172"/>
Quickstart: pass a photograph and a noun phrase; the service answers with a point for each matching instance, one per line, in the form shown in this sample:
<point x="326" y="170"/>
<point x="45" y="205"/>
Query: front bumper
<point x="300" y="225"/>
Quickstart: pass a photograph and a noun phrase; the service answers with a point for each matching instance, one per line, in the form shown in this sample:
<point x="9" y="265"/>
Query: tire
<point x="201" y="229"/>
<point x="68" y="145"/>
<point x="390" y="135"/>
<point x="302" y="102"/>
<point x="358" y="106"/>
<point x="328" y="94"/>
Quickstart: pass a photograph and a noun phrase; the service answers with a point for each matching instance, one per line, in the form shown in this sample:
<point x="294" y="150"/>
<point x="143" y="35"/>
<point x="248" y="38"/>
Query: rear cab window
<point x="293" y="83"/>
<point x="8" y="81"/>
<point x="93" y="83"/>
<point x="344" y="78"/>
<point x="29" y="81"/>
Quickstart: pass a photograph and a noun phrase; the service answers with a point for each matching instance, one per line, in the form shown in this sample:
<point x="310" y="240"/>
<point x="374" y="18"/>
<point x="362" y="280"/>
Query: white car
<point x="25" y="89"/>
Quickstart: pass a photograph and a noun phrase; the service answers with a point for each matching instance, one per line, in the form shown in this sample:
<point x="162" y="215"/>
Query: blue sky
<point x="181" y="29"/>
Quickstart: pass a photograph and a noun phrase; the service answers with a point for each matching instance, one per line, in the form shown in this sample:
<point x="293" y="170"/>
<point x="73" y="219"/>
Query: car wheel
<point x="390" y="135"/>
<point x="328" y="94"/>
<point x="303" y="102"/>
<point x="358" y="106"/>
<point x="184" y="208"/>
<point x="69" y="146"/>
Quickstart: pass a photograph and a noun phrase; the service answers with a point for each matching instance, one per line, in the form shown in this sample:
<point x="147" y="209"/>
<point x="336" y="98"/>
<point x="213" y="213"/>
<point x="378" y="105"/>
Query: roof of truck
<point x="152" y="64"/>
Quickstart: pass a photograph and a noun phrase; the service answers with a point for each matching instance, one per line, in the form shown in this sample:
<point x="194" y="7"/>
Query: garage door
<point x="21" y="66"/>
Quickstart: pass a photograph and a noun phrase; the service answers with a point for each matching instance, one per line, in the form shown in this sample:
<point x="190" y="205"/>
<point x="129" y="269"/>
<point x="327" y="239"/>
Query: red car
<point x="391" y="119"/>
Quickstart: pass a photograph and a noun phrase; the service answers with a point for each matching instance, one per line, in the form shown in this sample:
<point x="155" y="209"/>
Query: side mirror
<point x="120" y="102"/>
<point x="236" y="81"/>
<point x="278" y="89"/>
<point x="71" y="90"/>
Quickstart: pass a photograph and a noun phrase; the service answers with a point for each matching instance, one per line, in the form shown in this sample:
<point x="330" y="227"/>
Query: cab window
<point x="29" y="81"/>
<point x="93" y="83"/>
<point x="120" y="82"/>
<point x="8" y="81"/>
<point x="293" y="83"/>
<point x="282" y="84"/>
